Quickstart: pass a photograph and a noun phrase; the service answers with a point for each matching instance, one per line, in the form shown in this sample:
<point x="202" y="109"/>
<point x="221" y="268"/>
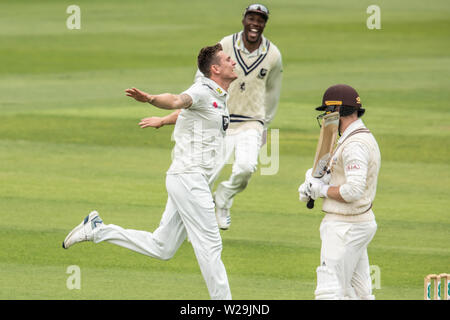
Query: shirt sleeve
<point x="273" y="90"/>
<point x="355" y="157"/>
<point x="196" y="95"/>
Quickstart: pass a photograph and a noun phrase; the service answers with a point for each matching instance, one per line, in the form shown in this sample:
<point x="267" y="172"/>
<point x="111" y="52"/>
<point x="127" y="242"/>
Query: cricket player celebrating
<point x="348" y="191"/>
<point x="199" y="134"/>
<point x="252" y="105"/>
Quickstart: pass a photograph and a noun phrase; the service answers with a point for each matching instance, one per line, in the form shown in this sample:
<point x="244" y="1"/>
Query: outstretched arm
<point x="163" y="101"/>
<point x="158" y="122"/>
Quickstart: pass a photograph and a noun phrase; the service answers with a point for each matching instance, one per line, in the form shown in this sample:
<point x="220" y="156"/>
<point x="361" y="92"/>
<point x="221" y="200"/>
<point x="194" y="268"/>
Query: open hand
<point x="137" y="94"/>
<point x="154" y="122"/>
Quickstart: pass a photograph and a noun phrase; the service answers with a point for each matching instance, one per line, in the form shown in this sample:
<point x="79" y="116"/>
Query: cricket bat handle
<point x="310" y="203"/>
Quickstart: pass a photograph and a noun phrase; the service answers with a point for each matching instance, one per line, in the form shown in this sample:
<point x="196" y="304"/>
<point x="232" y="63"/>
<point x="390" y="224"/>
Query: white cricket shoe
<point x="84" y="231"/>
<point x="223" y="218"/>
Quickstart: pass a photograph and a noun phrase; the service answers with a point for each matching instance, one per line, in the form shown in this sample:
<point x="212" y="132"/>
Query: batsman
<point x="348" y="188"/>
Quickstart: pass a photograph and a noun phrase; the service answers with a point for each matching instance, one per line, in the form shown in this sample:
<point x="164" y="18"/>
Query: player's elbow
<point x="177" y="103"/>
<point x="172" y="102"/>
<point x="351" y="192"/>
<point x="181" y="101"/>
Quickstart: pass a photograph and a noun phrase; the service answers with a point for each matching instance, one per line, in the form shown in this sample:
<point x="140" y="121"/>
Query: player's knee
<point x="166" y="251"/>
<point x="328" y="287"/>
<point x="167" y="254"/>
<point x="245" y="170"/>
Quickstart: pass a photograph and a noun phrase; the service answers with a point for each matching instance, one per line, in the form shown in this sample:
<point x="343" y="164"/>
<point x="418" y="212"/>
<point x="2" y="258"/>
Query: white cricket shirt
<point x="200" y="130"/>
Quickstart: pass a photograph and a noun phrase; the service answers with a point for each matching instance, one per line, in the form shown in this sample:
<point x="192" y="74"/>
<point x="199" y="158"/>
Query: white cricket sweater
<point x="354" y="167"/>
<point x="255" y="93"/>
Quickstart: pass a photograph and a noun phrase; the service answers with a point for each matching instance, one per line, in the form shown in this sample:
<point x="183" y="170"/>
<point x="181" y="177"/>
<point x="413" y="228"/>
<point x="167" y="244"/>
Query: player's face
<point x="226" y="65"/>
<point x="254" y="25"/>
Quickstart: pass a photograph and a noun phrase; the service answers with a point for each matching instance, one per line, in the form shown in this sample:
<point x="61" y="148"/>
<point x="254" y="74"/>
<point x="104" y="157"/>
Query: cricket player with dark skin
<point x="253" y="102"/>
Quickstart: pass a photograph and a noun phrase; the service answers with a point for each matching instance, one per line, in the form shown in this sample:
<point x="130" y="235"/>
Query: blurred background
<point x="70" y="142"/>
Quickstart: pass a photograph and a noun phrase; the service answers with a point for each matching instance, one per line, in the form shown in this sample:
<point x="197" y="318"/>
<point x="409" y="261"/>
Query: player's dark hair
<point x="207" y="57"/>
<point x="347" y="110"/>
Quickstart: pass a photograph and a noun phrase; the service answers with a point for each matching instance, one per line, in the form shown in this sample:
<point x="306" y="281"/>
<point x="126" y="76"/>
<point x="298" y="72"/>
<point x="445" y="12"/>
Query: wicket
<point x="437" y="287"/>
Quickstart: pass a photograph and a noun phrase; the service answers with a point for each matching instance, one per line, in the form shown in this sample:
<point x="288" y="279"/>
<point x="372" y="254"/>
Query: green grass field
<point x="70" y="143"/>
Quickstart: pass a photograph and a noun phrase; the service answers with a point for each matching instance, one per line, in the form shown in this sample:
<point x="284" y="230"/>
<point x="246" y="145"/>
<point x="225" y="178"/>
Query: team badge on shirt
<point x="353" y="166"/>
<point x="217" y="105"/>
<point x="262" y="73"/>
<point x="225" y="122"/>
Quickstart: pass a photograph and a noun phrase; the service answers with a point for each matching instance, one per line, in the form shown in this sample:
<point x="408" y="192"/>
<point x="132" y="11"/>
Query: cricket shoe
<point x="223" y="218"/>
<point x="84" y="231"/>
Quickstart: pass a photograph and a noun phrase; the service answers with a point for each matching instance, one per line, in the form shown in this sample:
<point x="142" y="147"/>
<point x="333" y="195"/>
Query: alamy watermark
<point x="74" y="279"/>
<point x="74" y="20"/>
<point x="274" y="158"/>
<point x="374" y="20"/>
<point x="375" y="276"/>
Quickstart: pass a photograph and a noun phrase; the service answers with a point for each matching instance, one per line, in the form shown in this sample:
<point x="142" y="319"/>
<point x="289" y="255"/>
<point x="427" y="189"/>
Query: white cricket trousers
<point x="344" y="258"/>
<point x="246" y="146"/>
<point x="189" y="211"/>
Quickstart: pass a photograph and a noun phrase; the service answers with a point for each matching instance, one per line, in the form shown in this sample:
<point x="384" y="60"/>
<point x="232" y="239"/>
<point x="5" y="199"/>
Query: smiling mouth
<point x="252" y="32"/>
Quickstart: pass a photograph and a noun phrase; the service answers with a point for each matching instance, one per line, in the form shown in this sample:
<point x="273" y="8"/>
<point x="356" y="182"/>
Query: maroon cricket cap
<point x="340" y="95"/>
<point x="257" y="8"/>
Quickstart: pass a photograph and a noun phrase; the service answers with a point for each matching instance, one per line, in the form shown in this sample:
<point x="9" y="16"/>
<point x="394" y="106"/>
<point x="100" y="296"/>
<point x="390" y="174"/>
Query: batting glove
<point x="325" y="179"/>
<point x="308" y="174"/>
<point x="304" y="192"/>
<point x="318" y="189"/>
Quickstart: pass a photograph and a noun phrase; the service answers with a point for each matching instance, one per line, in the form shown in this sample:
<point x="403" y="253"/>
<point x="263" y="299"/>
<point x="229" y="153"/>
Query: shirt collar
<point x="358" y="124"/>
<point x="218" y="90"/>
<point x="240" y="46"/>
